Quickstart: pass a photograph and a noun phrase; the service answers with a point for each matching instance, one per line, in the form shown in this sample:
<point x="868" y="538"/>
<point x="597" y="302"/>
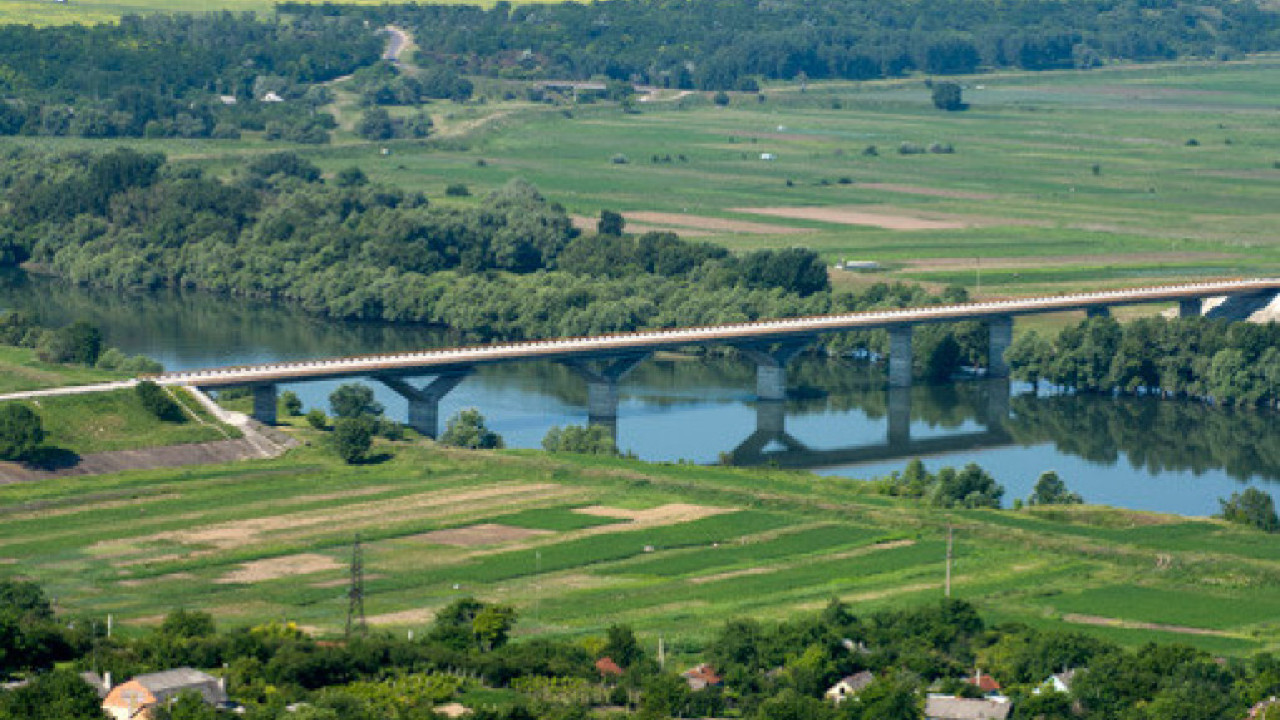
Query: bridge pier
<point x="602" y="387"/>
<point x="424" y="403"/>
<point x="265" y="398"/>
<point x="771" y="366"/>
<point x="900" y="356"/>
<point x="999" y="338"/>
<point x="1191" y="307"/>
<point x="1098" y="311"/>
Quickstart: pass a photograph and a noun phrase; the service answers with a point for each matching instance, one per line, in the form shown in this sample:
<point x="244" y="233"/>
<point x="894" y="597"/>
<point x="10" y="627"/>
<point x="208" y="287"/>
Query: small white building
<point x="850" y="686"/>
<point x="272" y="97"/>
<point x="768" y="156"/>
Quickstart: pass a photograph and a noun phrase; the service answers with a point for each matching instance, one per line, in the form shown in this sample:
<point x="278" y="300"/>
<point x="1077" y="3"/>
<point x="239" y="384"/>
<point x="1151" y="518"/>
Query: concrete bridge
<point x="605" y="360"/>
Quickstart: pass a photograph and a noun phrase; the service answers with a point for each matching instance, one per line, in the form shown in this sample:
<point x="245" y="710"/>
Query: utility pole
<point x="355" y="592"/>
<point x="949" y="537"/>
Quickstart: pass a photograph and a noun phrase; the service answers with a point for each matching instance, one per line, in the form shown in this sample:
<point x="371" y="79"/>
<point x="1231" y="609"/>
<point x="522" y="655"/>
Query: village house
<point x="701" y="677"/>
<point x="608" y="669"/>
<point x="948" y="707"/>
<point x="138" y="698"/>
<point x="987" y="684"/>
<point x="1057" y="682"/>
<point x="848" y="686"/>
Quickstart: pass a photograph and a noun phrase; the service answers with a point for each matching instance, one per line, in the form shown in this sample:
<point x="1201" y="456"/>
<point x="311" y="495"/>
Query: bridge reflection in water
<point x="772" y="445"/>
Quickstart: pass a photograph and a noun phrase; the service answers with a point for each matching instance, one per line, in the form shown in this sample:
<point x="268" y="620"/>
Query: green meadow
<point x="576" y="543"/>
<point x="21" y="370"/>
<point x="89" y="12"/>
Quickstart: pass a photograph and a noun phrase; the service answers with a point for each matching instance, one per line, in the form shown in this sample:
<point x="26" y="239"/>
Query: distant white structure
<point x="272" y="97"/>
<point x="768" y="156"/>
<point x="858" y="265"/>
<point x="227" y="99"/>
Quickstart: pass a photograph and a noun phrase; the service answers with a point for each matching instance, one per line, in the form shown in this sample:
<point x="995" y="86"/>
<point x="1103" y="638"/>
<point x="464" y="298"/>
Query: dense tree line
<point x="1231" y="363"/>
<point x="512" y="266"/>
<point x="184" y="75"/>
<point x="727" y="45"/>
<point x="770" y="670"/>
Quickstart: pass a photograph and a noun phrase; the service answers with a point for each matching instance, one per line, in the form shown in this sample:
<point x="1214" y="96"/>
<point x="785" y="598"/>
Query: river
<point x="1136" y="453"/>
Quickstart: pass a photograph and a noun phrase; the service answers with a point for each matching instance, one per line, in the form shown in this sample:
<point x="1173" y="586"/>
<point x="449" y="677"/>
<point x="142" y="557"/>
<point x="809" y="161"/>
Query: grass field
<point x="576" y="543"/>
<point x="21" y="370"/>
<point x="1057" y="180"/>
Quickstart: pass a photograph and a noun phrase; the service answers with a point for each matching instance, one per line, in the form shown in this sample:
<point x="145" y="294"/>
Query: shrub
<point x="467" y="430"/>
<point x="591" y="440"/>
<point x="720" y="98"/>
<point x="947" y="96"/>
<point x="457" y="190"/>
<point x="1051" y="490"/>
<point x="1252" y="507"/>
<point x="619" y="159"/>
<point x="317" y="419"/>
<point x="353" y="400"/>
<point x="157" y="402"/>
<point x="353" y="439"/>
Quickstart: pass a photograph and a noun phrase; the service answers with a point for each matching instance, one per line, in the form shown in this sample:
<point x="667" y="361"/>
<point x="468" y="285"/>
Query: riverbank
<point x="574" y="541"/>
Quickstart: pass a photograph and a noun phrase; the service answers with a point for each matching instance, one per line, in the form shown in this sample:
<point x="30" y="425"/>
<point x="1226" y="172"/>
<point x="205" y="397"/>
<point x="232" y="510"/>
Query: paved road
<point x="397" y="41"/>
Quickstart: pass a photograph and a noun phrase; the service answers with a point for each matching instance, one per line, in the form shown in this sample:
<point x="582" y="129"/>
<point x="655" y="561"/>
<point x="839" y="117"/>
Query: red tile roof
<point x="985" y="683"/>
<point x="607" y="666"/>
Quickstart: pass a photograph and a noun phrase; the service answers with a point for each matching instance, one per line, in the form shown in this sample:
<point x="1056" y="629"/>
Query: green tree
<point x="1252" y="507"/>
<point x="610" y="223"/>
<point x="56" y="695"/>
<point x="317" y="419"/>
<point x="353" y="438"/>
<point x="1027" y="356"/>
<point x="621" y="645"/>
<point x="188" y="624"/>
<point x="889" y="697"/>
<point x="353" y="400"/>
<point x="971" y="487"/>
<point x="947" y="96"/>
<point x="187" y="706"/>
<point x="291" y="403"/>
<point x="467" y="430"/>
<point x="1051" y="490"/>
<point x="21" y="431"/>
<point x="492" y="626"/>
<point x="375" y="124"/>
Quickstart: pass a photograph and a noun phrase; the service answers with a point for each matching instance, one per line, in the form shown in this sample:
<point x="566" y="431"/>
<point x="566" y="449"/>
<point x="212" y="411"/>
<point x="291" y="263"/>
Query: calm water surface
<point x="1133" y="453"/>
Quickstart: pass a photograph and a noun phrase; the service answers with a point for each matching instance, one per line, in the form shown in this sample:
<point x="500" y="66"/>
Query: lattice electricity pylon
<point x="355" y="592"/>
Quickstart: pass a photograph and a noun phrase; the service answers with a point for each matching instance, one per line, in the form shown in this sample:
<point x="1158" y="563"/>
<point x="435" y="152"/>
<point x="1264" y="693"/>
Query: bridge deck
<point x="605" y="346"/>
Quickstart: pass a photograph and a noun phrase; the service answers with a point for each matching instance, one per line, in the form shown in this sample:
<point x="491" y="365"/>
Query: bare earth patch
<point x="928" y="191"/>
<point x="417" y="616"/>
<point x="1133" y="625"/>
<point x="669" y="514"/>
<point x="273" y="568"/>
<point x="483" y="534"/>
<point x="343" y="581"/>
<point x="852" y="216"/>
<point x="730" y="574"/>
<point x="700" y="222"/>
<point x="241" y="533"/>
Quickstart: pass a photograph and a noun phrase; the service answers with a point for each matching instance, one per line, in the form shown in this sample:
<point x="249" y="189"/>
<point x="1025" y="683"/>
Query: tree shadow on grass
<point x="52" y="458"/>
<point x="375" y="459"/>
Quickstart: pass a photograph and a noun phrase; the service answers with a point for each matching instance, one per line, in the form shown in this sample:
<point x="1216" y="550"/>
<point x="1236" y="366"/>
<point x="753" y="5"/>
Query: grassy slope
<point x="788" y="542"/>
<point x="116" y="420"/>
<point x="21" y="370"/>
